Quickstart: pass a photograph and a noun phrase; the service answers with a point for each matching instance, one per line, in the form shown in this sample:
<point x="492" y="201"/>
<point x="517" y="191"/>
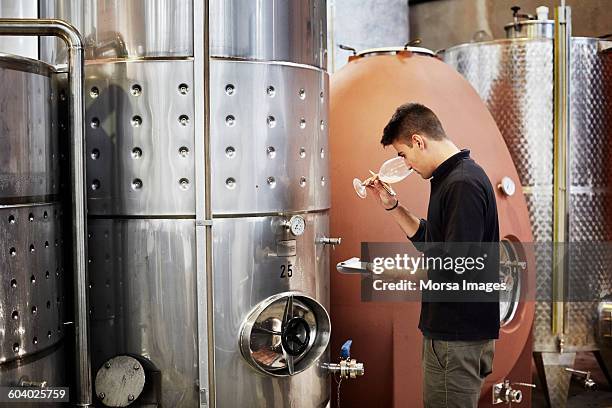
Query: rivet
<point x="230" y="120"/>
<point x="12" y="251"/>
<point x="302" y="152"/>
<point x="95" y="184"/>
<point x="271" y="151"/>
<point x="95" y="154"/>
<point x="136" y="152"/>
<point x="32" y="249"/>
<point x="230" y="152"/>
<point x="16" y="347"/>
<point x="33" y="279"/>
<point x="47" y="274"/>
<point x="136" y="121"/>
<point x="271" y="91"/>
<point x="183" y="89"/>
<point x="322" y="125"/>
<point x="230" y="183"/>
<point x="94" y="92"/>
<point x="271" y="120"/>
<point x="35" y="340"/>
<point x="183" y="120"/>
<point x="11" y="219"/>
<point x="302" y="93"/>
<point x="95" y="123"/>
<point x="31" y="217"/>
<point x="302" y="181"/>
<point x="136" y="184"/>
<point x="136" y="366"/>
<point x="15" y="315"/>
<point x="184" y="184"/>
<point x="230" y="89"/>
<point x="271" y="182"/>
<point x="322" y="153"/>
<point x="107" y="365"/>
<point x="13" y="283"/>
<point x="136" y="90"/>
<point x="46" y="244"/>
<point x="302" y="123"/>
<point x="183" y="151"/>
<point x="49" y="334"/>
<point x="101" y="395"/>
<point x="322" y="181"/>
<point x="34" y="309"/>
<point x="45" y="215"/>
<point x="130" y="397"/>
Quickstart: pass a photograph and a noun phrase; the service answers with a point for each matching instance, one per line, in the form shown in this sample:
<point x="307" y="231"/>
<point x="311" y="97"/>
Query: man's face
<point x="415" y="155"/>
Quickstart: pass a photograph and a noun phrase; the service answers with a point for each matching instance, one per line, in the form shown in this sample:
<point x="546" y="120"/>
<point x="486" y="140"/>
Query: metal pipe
<point x="561" y="181"/>
<point x="71" y="36"/>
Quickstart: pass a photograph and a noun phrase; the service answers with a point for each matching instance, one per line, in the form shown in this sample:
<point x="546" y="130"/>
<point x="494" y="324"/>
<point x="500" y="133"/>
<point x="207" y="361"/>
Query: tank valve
<point x="348" y="367"/>
<point x="329" y="241"/>
<point x="589" y="384"/>
<point x="26" y="382"/>
<point x="503" y="393"/>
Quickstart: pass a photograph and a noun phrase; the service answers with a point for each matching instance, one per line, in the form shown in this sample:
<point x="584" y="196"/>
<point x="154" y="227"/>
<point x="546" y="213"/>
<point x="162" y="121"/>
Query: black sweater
<point x="461" y="208"/>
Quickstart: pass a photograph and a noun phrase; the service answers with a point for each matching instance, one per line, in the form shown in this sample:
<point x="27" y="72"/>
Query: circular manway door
<point x="285" y="334"/>
<point x="510" y="273"/>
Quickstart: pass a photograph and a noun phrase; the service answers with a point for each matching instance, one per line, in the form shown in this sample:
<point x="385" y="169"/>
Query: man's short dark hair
<point x="410" y="119"/>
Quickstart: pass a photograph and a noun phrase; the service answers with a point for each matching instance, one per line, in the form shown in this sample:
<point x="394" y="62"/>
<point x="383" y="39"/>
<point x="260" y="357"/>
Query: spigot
<point x="588" y="384"/>
<point x="348" y="367"/>
<point x="503" y="393"/>
<point x="329" y="241"/>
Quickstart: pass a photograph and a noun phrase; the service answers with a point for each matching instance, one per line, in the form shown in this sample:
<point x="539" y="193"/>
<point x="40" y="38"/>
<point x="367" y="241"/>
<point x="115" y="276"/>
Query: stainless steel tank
<point x="515" y="78"/>
<point x="208" y="197"/>
<point x="33" y="341"/>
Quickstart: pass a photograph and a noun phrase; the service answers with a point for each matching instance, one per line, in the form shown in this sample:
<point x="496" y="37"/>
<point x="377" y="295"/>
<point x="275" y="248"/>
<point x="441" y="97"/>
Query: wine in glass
<point x="391" y="171"/>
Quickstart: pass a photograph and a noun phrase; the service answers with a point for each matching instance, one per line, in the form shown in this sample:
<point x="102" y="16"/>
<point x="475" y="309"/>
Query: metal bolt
<point x="107" y="365"/>
<point x="101" y="395"/>
<point x="130" y="397"/>
<point x="136" y="367"/>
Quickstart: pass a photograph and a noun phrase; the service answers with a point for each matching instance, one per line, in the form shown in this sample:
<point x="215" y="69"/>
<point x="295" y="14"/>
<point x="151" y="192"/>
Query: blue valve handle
<point x="345" y="350"/>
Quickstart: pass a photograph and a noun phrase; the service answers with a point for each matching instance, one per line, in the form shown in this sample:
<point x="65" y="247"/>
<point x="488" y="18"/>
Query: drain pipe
<point x="74" y="42"/>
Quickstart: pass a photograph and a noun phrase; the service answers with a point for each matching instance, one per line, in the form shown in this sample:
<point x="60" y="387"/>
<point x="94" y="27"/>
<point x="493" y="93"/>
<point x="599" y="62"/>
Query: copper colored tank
<point x="364" y="95"/>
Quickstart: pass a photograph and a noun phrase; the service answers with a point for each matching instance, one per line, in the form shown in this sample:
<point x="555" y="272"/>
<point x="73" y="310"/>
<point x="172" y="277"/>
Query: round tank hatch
<point x="510" y="272"/>
<point x="285" y="334"/>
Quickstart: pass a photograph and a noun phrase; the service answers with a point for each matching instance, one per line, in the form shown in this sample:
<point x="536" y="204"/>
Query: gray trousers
<point x="454" y="371"/>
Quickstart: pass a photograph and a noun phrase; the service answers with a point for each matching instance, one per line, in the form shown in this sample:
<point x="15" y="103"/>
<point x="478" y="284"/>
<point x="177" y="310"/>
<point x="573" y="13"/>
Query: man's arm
<point x="412" y="226"/>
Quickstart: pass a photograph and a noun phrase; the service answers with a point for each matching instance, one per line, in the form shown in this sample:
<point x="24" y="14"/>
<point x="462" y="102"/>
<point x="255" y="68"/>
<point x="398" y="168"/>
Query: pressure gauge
<point x="507" y="186"/>
<point x="297" y="225"/>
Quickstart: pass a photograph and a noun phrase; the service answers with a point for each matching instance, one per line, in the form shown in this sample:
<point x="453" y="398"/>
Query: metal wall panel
<point x="143" y="298"/>
<point x="245" y="273"/>
<point x="270" y="30"/>
<point x="122" y="29"/>
<point x="268" y="137"/>
<point x="28" y="152"/>
<point x="140" y="138"/>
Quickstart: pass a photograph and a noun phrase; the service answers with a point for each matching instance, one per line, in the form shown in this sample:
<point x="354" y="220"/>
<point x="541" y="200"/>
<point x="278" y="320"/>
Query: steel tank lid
<point x="19" y="63"/>
<point x="394" y="50"/>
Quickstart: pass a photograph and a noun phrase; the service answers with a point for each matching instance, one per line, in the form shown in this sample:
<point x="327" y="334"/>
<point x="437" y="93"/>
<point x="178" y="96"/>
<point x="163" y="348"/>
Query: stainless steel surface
<point x="123" y="29"/>
<point x="143" y="298"/>
<point x="31" y="295"/>
<point x="73" y="41"/>
<point x="531" y="29"/>
<point x="270" y="30"/>
<point x="140" y="138"/>
<point x="244" y="275"/>
<point x="23" y="46"/>
<point x="394" y="50"/>
<point x="268" y="138"/>
<point x="120" y="381"/>
<point x="29" y="155"/>
<point x="604" y="322"/>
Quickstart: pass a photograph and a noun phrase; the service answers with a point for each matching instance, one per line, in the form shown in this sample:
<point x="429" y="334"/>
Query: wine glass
<point x="391" y="171"/>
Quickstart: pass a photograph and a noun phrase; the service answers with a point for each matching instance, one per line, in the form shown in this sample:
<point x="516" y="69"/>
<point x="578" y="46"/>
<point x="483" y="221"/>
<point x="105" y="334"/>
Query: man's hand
<point x="376" y="189"/>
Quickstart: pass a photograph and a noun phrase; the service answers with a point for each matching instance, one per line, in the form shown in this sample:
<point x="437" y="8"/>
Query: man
<point x="458" y="337"/>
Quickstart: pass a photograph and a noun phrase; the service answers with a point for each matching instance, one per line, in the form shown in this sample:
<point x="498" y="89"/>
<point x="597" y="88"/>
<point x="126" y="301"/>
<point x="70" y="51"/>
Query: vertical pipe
<point x="74" y="42"/>
<point x="561" y="181"/>
<point x="203" y="205"/>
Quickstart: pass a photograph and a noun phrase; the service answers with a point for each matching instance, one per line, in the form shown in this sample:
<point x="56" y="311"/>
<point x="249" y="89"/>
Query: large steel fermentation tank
<point x="364" y="95"/>
<point x="208" y="199"/>
<point x="515" y="78"/>
<point x="33" y="342"/>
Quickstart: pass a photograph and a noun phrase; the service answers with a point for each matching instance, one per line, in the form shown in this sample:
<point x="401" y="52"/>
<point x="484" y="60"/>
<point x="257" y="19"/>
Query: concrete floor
<point x="578" y="397"/>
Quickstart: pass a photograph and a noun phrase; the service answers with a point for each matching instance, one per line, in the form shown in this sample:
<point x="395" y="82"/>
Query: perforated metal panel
<point x="268" y="137"/>
<point x="140" y="138"/>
